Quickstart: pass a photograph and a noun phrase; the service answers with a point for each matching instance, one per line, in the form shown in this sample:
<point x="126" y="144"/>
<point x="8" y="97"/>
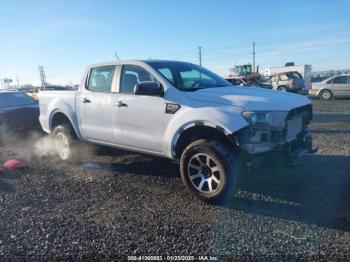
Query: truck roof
<point x="133" y="61"/>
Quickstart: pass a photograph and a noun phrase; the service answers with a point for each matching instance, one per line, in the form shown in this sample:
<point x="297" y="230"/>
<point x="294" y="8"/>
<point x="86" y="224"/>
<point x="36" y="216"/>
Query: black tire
<point x="282" y="89"/>
<point x="326" y="94"/>
<point x="223" y="167"/>
<point x="64" y="136"/>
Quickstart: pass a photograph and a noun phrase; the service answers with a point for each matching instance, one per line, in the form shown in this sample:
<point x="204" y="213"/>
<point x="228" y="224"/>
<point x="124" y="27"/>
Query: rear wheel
<point x="326" y="95"/>
<point x="209" y="171"/>
<point x="64" y="140"/>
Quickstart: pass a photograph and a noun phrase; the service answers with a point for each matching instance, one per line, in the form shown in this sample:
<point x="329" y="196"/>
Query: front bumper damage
<point x="289" y="142"/>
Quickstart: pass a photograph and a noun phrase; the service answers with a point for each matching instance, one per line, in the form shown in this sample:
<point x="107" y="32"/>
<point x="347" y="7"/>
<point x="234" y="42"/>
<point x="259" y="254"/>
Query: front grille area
<point x="295" y="127"/>
<point x="304" y="111"/>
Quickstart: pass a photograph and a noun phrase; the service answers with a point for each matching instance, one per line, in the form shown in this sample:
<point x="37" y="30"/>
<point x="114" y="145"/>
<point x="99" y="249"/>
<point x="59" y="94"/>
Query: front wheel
<point x="326" y="95"/>
<point x="209" y="170"/>
<point x="64" y="139"/>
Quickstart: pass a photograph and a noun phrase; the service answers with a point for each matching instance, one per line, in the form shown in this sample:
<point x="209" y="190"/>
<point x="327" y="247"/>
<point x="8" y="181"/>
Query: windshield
<point x="188" y="77"/>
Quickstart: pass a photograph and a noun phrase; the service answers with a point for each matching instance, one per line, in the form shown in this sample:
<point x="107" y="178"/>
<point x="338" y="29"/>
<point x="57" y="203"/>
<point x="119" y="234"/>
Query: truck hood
<point x="250" y="98"/>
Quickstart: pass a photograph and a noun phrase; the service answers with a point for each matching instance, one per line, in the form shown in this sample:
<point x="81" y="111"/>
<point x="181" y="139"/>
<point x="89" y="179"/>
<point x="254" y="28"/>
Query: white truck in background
<point x="180" y="111"/>
<point x="304" y="70"/>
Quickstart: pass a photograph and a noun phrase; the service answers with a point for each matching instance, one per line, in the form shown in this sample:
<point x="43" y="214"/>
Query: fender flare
<point x="179" y="131"/>
<point x="73" y="124"/>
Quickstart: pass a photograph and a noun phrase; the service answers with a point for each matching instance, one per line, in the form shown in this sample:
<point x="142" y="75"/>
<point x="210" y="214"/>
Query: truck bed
<point x="53" y="101"/>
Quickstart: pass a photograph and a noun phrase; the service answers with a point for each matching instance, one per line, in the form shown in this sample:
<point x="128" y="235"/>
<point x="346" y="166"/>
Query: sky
<point x="65" y="36"/>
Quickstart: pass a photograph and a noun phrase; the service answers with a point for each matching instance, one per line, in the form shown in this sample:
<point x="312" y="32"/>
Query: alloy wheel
<point x="62" y="146"/>
<point x="205" y="173"/>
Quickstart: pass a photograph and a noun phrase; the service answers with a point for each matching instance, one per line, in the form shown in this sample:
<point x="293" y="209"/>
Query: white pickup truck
<point x="179" y="111"/>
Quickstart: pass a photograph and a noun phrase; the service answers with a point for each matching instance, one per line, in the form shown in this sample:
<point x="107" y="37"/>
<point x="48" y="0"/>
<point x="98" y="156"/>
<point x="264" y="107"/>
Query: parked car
<point x="18" y="112"/>
<point x="287" y="81"/>
<point x="335" y="86"/>
<point x="179" y="111"/>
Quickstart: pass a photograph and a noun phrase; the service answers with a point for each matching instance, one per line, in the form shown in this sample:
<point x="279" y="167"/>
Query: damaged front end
<point x="281" y="132"/>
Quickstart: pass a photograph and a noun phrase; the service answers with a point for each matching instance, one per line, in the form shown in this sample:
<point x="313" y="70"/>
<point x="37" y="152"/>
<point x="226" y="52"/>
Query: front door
<point x="139" y="120"/>
<point x="340" y="86"/>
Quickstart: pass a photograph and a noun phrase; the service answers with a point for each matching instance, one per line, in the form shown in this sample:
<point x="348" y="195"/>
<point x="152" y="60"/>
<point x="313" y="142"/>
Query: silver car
<point x="335" y="86"/>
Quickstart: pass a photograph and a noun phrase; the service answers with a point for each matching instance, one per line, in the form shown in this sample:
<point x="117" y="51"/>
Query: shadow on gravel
<point x="156" y="167"/>
<point x="316" y="192"/>
<point x="6" y="187"/>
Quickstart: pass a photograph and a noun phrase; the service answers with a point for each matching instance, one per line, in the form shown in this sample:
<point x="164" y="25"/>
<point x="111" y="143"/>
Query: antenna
<point x="200" y="55"/>
<point x="116" y="55"/>
<point x="254" y="56"/>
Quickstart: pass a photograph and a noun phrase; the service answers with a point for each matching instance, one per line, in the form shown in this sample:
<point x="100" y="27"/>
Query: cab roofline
<point x="134" y="61"/>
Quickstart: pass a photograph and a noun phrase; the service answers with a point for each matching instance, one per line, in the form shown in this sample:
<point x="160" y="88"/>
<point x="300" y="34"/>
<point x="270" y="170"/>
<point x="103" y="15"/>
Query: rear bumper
<point x="295" y="89"/>
<point x="313" y="92"/>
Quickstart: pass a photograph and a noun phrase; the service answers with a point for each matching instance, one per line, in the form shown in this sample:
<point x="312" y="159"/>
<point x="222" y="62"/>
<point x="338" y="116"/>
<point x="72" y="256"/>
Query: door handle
<point x="85" y="100"/>
<point x="121" y="104"/>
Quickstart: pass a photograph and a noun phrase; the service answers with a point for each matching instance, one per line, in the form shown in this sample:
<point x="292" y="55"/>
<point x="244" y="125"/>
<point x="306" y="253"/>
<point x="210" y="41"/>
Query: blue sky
<point x="64" y="36"/>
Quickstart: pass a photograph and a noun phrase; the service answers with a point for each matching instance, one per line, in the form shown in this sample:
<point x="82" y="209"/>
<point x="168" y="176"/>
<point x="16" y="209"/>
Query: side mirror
<point x="148" y="88"/>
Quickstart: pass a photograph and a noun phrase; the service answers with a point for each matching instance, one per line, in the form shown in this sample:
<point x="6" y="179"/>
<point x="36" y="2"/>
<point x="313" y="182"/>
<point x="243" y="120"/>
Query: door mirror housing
<point x="148" y="88"/>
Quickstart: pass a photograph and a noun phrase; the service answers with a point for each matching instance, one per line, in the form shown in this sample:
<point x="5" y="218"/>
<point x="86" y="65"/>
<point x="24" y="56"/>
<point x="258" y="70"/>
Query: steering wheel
<point x="195" y="83"/>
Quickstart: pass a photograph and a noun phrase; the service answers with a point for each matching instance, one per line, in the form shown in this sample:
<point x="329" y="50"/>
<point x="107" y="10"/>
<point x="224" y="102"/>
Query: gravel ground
<point x="128" y="204"/>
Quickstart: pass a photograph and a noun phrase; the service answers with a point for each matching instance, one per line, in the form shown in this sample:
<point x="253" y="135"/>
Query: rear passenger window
<point x="101" y="79"/>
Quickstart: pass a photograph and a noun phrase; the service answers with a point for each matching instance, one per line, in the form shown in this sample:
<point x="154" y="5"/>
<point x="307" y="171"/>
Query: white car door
<point x="140" y="121"/>
<point x="96" y="117"/>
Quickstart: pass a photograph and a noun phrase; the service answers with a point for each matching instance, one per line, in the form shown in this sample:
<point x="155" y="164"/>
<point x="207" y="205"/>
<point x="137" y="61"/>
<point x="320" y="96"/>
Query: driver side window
<point x="132" y="75"/>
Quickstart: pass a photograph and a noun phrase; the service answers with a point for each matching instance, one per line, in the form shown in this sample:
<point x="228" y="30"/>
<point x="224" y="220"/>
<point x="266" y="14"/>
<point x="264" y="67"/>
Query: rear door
<point x="95" y="105"/>
<point x="297" y="81"/>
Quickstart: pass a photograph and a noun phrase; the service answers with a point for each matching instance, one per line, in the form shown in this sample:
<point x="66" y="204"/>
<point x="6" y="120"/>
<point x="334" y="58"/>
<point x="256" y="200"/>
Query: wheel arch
<point x="200" y="130"/>
<point x="59" y="118"/>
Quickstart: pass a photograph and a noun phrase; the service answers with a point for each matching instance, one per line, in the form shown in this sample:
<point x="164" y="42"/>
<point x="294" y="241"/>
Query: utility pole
<point x="253" y="56"/>
<point x="42" y="75"/>
<point x="200" y="55"/>
<point x="17" y="81"/>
